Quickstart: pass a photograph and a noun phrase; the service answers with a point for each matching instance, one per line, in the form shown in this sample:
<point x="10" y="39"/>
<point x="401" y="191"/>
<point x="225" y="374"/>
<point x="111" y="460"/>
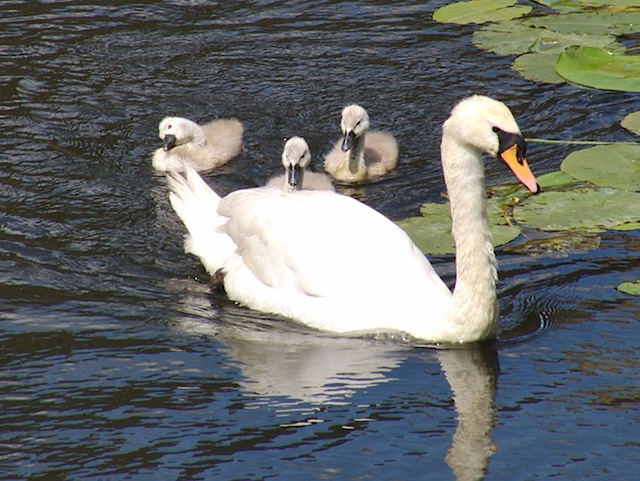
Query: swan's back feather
<point x="319" y="255"/>
<point x="196" y="205"/>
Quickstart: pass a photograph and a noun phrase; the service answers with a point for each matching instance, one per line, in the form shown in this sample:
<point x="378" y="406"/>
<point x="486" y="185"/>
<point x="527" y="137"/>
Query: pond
<point x="120" y="362"/>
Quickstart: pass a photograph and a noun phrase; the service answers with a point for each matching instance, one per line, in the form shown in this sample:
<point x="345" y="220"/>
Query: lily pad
<point x="632" y="288"/>
<point x="586" y="209"/>
<point x="432" y="232"/>
<point x="480" y="11"/>
<point x="555" y="179"/>
<point x="610" y="3"/>
<point x="538" y="67"/>
<point x="615" y="165"/>
<point x="562" y="5"/>
<point x="599" y="68"/>
<point x="599" y="22"/>
<point x="515" y="37"/>
<point x="558" y="244"/>
<point x="632" y="122"/>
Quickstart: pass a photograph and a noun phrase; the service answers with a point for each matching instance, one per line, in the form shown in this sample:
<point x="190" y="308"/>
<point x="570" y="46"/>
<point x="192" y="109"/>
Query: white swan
<point x="333" y="263"/>
<point x="296" y="157"/>
<point x="199" y="147"/>
<point x="361" y="154"/>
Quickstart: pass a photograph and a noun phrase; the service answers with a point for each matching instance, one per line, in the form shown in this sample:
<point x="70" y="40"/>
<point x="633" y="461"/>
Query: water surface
<point x="118" y="361"/>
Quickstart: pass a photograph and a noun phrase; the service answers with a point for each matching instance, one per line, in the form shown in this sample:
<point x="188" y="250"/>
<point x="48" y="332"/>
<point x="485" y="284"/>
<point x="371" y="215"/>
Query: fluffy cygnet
<point x="201" y="147"/>
<point x="361" y="154"/>
<point x="296" y="157"/>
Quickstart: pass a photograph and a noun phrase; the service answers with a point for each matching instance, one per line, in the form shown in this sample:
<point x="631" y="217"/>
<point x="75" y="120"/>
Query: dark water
<point x="119" y="363"/>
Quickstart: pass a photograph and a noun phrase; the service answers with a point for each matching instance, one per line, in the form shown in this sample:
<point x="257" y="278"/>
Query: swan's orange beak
<point x="519" y="166"/>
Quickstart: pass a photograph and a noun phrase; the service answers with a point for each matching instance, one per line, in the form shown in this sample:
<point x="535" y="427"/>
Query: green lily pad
<point x="599" y="22"/>
<point x="432" y="232"/>
<point x="515" y="37"/>
<point x="615" y="165"/>
<point x="558" y="244"/>
<point x="632" y="288"/>
<point x="480" y="11"/>
<point x="632" y="122"/>
<point x="598" y="68"/>
<point x="562" y="5"/>
<point x="627" y="226"/>
<point x="610" y="3"/>
<point x="538" y="67"/>
<point x="555" y="179"/>
<point x="586" y="209"/>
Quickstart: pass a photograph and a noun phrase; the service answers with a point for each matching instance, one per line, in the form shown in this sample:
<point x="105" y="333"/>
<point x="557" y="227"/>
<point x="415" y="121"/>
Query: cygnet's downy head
<point x="295" y="159"/>
<point x="355" y="122"/>
<point x="175" y="131"/>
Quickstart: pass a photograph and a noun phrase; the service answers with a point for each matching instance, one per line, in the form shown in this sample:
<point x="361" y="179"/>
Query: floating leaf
<point x="632" y="288"/>
<point x="598" y="68"/>
<point x="615" y="165"/>
<point x="562" y="5"/>
<point x="589" y="23"/>
<point x="627" y="226"/>
<point x="632" y="122"/>
<point x="480" y="11"/>
<point x="507" y="38"/>
<point x="555" y="179"/>
<point x="538" y="67"/>
<point x="585" y="209"/>
<point x="610" y="3"/>
<point x="558" y="245"/>
<point x="432" y="232"/>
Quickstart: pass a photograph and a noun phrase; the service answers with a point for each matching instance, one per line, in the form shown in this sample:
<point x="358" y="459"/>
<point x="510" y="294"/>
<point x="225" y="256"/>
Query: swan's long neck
<point x="474" y="307"/>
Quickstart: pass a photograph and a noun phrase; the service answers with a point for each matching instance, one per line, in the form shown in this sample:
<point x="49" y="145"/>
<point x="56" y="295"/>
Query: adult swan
<point x="333" y="263"/>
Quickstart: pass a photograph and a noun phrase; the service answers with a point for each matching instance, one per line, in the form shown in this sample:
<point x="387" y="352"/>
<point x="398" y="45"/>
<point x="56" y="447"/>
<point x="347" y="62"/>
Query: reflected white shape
<point x="472" y="374"/>
<point x="303" y="366"/>
<point x="309" y="368"/>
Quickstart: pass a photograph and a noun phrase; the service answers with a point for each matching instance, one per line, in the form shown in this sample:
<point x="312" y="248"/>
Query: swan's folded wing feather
<point x="320" y="243"/>
<point x="196" y="205"/>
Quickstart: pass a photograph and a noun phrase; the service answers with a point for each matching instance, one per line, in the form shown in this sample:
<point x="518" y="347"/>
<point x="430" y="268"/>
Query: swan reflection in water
<point x="317" y="370"/>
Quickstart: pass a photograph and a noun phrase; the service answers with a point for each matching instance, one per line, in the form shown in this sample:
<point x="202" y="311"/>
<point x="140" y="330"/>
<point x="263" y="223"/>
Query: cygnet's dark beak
<point x="347" y="143"/>
<point x="294" y="176"/>
<point x="169" y="142"/>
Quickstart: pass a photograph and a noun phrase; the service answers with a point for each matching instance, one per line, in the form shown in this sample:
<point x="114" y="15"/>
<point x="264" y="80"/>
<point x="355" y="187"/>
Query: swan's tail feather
<point x="196" y="205"/>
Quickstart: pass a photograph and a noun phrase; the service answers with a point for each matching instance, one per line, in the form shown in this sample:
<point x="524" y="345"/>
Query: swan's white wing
<point x="323" y="244"/>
